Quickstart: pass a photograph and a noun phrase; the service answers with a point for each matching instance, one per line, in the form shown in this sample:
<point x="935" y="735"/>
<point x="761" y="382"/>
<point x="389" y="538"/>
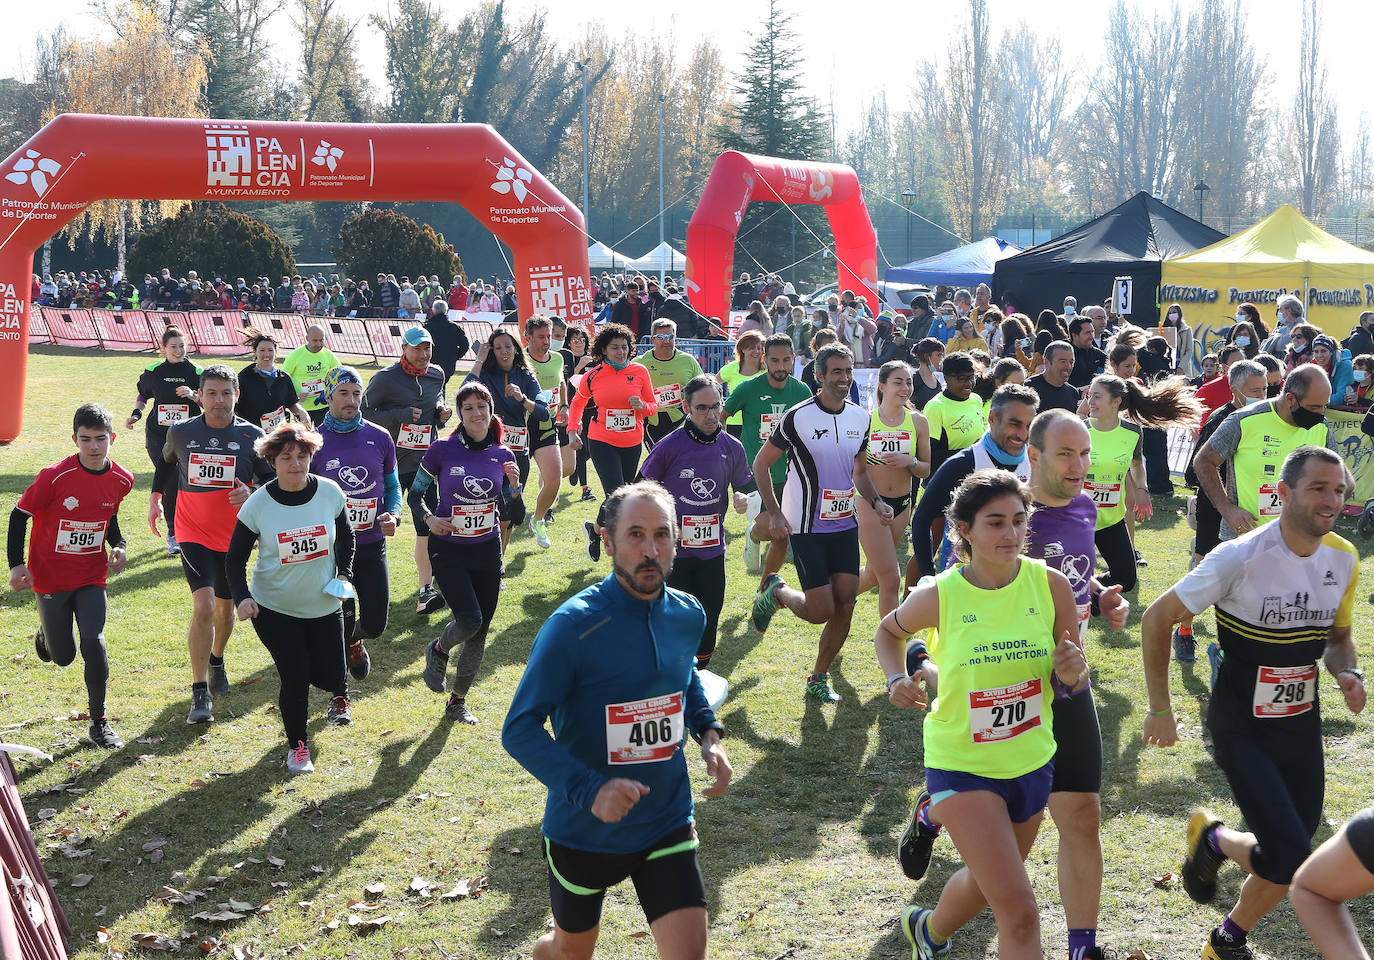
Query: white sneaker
<point x="298" y="759"/>
<point x="541" y="533"/>
<point x="753" y="556"/>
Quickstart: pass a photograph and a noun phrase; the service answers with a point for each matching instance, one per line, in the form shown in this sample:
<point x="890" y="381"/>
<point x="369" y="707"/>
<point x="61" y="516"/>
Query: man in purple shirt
<point x="697" y="462"/>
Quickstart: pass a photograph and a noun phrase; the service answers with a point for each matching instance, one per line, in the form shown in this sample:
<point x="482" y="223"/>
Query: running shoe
<point x="436" y="665"/>
<point x="103" y="735"/>
<point x="339" y="714"/>
<point x="1185" y="646"/>
<point x="819" y="687"/>
<point x="173" y="548"/>
<point x="1364" y="527"/>
<point x="359" y="663"/>
<point x="548" y="515"/>
<point x="593" y="540"/>
<point x="915" y="846"/>
<point x="1140" y="561"/>
<point x="40" y="646"/>
<point x="913" y="925"/>
<point x="765" y="603"/>
<point x="1199" y="871"/>
<point x="201" y="705"/>
<point x="298" y="759"/>
<point x="541" y="533"/>
<point x="1094" y="953"/>
<point x="1219" y="948"/>
<point x="429" y="600"/>
<point x="587" y="495"/>
<point x="457" y="711"/>
<point x="1214" y="658"/>
<point x="219" y="680"/>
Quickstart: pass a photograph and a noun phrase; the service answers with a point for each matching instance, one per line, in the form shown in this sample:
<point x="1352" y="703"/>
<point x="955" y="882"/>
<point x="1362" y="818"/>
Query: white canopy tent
<point x="602" y="257"/>
<point x="661" y="259"/>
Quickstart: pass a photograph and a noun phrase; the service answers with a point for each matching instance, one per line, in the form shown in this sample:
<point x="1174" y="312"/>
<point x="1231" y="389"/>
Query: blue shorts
<point x="1025" y="795"/>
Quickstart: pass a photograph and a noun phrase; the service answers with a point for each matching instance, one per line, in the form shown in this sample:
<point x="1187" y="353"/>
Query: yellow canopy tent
<point x="1283" y="253"/>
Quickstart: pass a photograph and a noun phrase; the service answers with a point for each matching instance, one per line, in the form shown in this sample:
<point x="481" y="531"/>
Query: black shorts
<point x="1278" y="781"/>
<point x="1208" y="534"/>
<point x="1360" y="832"/>
<point x="1078" y="745"/>
<point x="562" y="431"/>
<point x="205" y="568"/>
<point x="666" y="876"/>
<point x="820" y="556"/>
<point x="543" y="435"/>
<point x="898" y="504"/>
<point x="431" y="500"/>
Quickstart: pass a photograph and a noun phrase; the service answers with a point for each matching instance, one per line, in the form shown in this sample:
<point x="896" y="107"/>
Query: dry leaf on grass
<point x="219" y="916"/>
<point x="277" y="862"/>
<point x="102" y="935"/>
<point x="1138" y="954"/>
<point x="375" y="889"/>
<point x="152" y="845"/>
<point x="154" y="941"/>
<point x="421" y="885"/>
<point x="365" y="924"/>
<point x="1164" y="882"/>
<point x="465" y="888"/>
<point x="81" y="879"/>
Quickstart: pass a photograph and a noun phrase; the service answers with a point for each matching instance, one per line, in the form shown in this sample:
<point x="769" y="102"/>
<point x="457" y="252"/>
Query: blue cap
<point x="416" y="336"/>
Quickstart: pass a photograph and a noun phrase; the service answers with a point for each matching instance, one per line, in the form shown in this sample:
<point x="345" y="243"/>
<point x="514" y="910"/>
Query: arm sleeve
<point x="416" y="495"/>
<point x="699" y="717"/>
<point x="345" y="544"/>
<point x="653" y="467"/>
<point x="1226" y="438"/>
<point x="1210" y="580"/>
<point x="734" y="401"/>
<point x="113" y="536"/>
<point x="236" y="561"/>
<point x="548" y="681"/>
<point x="646" y="393"/>
<point x="533" y="392"/>
<point x="742" y="478"/>
<point x="392" y="497"/>
<point x="169" y="448"/>
<point x="932" y="504"/>
<point x="19" y="531"/>
<point x="374" y="399"/>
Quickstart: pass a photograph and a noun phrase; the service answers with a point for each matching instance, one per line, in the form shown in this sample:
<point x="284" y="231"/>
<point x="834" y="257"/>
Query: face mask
<point x="1305" y="419"/>
<point x="1069" y="310"/>
<point x="1272" y="390"/>
<point x="1242" y="341"/>
<point x="1173" y="318"/>
<point x="1299" y="348"/>
<point x="1357" y="376"/>
<point x="555" y="345"/>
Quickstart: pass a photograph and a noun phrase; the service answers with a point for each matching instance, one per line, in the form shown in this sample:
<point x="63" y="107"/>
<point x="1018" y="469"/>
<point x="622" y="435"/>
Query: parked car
<point x="896" y="297"/>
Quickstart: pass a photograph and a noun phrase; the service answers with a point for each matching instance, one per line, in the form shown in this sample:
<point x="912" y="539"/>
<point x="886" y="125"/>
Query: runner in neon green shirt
<point x="307" y="367"/>
<point x="670" y="369"/>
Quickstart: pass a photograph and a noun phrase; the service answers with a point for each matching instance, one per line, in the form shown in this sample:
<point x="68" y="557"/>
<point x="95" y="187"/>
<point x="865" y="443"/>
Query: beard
<point x="648" y="576"/>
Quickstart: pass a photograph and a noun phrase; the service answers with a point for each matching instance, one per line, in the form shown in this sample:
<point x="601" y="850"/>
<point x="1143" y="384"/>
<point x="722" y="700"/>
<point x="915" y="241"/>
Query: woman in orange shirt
<point x="624" y="399"/>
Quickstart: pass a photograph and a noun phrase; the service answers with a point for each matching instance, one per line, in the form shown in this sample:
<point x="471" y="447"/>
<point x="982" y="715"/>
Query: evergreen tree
<point x="771" y="115"/>
<point x="384" y="241"/>
<point x="215" y="240"/>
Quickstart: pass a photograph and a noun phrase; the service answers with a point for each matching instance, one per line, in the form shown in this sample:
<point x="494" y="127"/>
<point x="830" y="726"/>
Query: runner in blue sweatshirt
<point x="612" y="671"/>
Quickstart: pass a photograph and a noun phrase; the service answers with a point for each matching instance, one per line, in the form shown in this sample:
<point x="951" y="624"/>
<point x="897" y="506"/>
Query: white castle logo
<point x="34" y="168"/>
<point x="327" y="155"/>
<point x="512" y="178"/>
<point x="550" y="290"/>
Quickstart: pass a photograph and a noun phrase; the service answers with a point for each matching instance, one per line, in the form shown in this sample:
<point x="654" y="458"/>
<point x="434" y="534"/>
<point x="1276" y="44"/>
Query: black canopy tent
<point x="1131" y="240"/>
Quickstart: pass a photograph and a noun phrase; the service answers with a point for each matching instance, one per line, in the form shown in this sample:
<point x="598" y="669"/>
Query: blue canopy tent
<point x="965" y="266"/>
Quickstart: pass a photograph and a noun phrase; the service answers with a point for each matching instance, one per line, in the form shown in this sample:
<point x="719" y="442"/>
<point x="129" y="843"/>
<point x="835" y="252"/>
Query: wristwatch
<point x="1355" y="672"/>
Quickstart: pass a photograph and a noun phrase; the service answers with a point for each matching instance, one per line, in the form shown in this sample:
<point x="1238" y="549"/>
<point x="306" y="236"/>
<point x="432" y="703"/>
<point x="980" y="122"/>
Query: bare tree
<point x="1316" y="138"/>
<point x="1137" y="92"/>
<point x="1035" y="94"/>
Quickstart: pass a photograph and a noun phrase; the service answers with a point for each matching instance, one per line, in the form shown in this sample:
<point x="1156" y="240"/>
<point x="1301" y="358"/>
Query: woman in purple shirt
<point x="685" y="462"/>
<point x="475" y="476"/>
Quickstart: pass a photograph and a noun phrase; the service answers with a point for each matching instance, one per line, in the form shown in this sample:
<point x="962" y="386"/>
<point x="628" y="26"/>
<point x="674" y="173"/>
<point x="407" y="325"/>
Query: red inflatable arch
<point x="739" y="178"/>
<point x="77" y="159"/>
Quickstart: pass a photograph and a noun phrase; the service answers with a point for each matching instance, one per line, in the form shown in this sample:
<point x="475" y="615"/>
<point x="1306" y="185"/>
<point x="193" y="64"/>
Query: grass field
<point x="798" y="856"/>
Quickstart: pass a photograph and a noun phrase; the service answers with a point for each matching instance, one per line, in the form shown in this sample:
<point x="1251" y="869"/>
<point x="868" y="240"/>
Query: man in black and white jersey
<point x="1283" y="594"/>
<point x="825" y="440"/>
<point x="1003" y="446"/>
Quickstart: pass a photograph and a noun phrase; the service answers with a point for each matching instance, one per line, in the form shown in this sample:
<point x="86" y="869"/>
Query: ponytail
<point x="1170" y="402"/>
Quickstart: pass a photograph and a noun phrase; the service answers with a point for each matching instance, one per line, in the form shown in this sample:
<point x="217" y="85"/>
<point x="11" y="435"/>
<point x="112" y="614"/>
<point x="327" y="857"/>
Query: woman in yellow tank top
<point x="989" y="736"/>
<point x="898" y="452"/>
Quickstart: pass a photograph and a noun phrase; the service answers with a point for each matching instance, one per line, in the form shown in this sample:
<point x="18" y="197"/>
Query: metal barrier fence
<point x="711" y="354"/>
<point x="220" y="332"/>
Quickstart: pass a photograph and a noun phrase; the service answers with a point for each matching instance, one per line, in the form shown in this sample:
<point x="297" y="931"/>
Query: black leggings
<point x="469" y="577"/>
<point x="658" y="428"/>
<point x="365" y="618"/>
<point x="85" y="606"/>
<point x="166" y="479"/>
<point x="615" y="467"/>
<point x="579" y="474"/>
<point x="1114" y="547"/>
<point x="307" y="652"/>
<point x="705" y="580"/>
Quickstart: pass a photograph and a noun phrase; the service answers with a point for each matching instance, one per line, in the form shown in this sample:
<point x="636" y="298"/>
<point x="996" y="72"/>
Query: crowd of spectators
<point x="945" y="320"/>
<point x="314" y="295"/>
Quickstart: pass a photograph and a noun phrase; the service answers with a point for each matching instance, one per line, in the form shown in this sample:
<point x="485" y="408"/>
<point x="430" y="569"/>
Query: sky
<point x="856" y="58"/>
